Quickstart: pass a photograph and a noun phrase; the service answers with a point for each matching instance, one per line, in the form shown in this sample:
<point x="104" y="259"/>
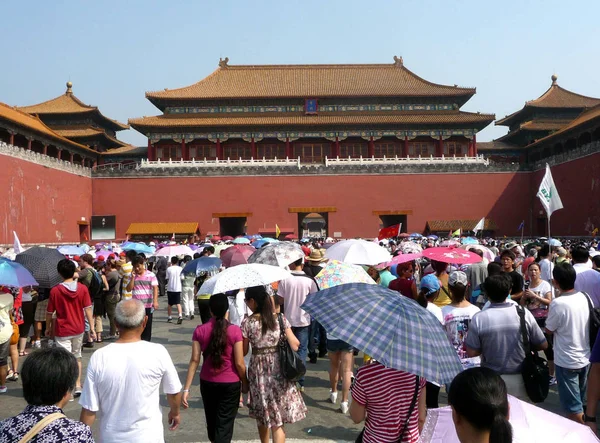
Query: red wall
<point x="504" y="197"/>
<point x="41" y="204"/>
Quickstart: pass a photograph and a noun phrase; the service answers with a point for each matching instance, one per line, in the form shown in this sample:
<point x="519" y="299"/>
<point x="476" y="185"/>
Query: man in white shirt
<point x="123" y="383"/>
<point x="569" y="321"/>
<point x="292" y="293"/>
<point x="174" y="289"/>
<point x="588" y="280"/>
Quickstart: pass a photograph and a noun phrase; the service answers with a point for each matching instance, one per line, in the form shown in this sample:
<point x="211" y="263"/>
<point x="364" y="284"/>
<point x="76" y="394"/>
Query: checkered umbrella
<point x="393" y="329"/>
<point x="41" y="262"/>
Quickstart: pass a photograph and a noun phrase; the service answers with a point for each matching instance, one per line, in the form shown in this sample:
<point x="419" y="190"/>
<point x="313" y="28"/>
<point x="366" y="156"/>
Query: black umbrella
<point x="41" y="262"/>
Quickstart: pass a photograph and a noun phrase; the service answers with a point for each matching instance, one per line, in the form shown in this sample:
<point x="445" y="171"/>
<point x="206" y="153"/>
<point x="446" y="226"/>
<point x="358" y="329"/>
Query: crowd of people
<point x="480" y="307"/>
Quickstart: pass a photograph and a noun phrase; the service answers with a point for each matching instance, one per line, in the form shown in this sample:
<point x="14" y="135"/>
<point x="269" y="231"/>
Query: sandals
<point x="23" y="353"/>
<point x="12" y="376"/>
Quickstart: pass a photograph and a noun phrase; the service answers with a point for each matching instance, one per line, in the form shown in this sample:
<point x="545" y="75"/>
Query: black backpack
<point x="96" y="288"/>
<point x="594" y="321"/>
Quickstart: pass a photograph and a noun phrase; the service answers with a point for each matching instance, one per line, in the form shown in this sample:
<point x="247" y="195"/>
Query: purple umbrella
<point x="15" y="275"/>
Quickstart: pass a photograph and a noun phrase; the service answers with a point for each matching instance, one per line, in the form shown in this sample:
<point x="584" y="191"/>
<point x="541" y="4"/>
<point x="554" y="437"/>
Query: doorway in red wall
<point x="84" y="231"/>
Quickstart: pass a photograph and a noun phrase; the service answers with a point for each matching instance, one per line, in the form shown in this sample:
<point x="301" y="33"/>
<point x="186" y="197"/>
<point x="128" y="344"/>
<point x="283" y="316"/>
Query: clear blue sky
<point x="115" y="51"/>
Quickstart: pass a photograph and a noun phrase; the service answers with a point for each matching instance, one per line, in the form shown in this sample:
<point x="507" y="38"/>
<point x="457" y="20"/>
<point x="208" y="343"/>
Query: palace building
<point x="332" y="150"/>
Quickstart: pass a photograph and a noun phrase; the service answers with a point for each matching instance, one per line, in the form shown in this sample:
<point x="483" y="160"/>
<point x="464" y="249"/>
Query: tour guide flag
<point x="389" y="232"/>
<point x="479" y="226"/>
<point x="457" y="232"/>
<point x="277" y="232"/>
<point x="548" y="194"/>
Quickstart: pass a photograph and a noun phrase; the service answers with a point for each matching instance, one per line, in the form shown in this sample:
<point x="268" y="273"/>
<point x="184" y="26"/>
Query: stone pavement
<point x="324" y="422"/>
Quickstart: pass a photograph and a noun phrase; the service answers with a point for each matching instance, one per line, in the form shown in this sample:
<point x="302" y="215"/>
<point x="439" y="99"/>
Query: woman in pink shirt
<point x="223" y="369"/>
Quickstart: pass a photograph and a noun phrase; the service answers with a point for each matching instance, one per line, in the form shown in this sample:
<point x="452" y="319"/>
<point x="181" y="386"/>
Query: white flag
<point x="17" y="244"/>
<point x="479" y="226"/>
<point x="548" y="194"/>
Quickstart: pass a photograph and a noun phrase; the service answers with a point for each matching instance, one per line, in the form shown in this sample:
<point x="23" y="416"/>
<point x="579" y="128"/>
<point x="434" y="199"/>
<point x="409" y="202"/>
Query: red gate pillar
<point x="371" y="147"/>
<point x="45" y="149"/>
<point x="474" y="145"/>
<point x="288" y="148"/>
<point x="470" y="148"/>
<point x="336" y="148"/>
<point x="59" y="155"/>
<point x="405" y="148"/>
<point x="150" y="153"/>
<point x="219" y="150"/>
<point x="253" y="150"/>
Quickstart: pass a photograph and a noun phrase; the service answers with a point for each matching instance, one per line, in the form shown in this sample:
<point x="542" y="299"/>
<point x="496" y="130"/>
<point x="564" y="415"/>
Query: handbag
<point x="413" y="403"/>
<point x="534" y="370"/>
<point x="14" y="338"/>
<point x="292" y="366"/>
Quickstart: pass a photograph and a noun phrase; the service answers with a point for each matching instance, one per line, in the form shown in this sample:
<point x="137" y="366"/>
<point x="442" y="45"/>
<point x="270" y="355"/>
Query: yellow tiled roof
<point x="162" y="228"/>
<point x="68" y="103"/>
<point x="442" y="117"/>
<point x="585" y="117"/>
<point x="465" y="225"/>
<point x="88" y="131"/>
<point x="308" y="81"/>
<point x="36" y="125"/>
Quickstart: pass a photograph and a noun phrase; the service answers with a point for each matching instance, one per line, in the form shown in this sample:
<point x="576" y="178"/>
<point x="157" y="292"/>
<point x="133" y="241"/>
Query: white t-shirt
<point x="437" y="311"/>
<point x="546" y="268"/>
<point x="569" y="319"/>
<point x="123" y="383"/>
<point x="488" y="303"/>
<point x="174" y="278"/>
<point x="456" y="324"/>
<point x="588" y="280"/>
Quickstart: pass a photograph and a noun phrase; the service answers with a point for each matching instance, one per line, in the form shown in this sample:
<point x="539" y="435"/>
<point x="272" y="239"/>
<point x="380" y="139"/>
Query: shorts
<point x="338" y="346"/>
<point x="572" y="386"/>
<point x="71" y="344"/>
<point x="174" y="298"/>
<point x="40" y="310"/>
<point x="4" y="348"/>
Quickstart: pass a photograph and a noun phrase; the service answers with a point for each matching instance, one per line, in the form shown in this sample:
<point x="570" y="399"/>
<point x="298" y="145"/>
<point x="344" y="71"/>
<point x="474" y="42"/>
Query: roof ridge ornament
<point x="223" y="62"/>
<point x="554" y="78"/>
<point x="69" y="86"/>
<point x="398" y="62"/>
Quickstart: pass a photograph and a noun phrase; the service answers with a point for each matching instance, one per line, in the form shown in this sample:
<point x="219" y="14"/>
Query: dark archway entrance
<point x="313" y="224"/>
<point x="232" y="226"/>
<point x="391" y="220"/>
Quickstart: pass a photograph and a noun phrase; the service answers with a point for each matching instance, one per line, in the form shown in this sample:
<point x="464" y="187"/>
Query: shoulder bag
<point x="413" y="403"/>
<point x="292" y="366"/>
<point x="40" y="425"/>
<point x="534" y="370"/>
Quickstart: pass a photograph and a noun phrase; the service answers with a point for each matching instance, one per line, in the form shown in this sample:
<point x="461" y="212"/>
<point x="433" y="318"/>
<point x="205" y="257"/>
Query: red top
<point x="403" y="286"/>
<point x="69" y="306"/>
<point x="387" y="394"/>
<point x="227" y="372"/>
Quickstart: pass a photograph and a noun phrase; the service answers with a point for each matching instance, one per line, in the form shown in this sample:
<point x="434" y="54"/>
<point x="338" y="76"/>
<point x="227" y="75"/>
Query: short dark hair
<point x="210" y="249"/>
<point x="494" y="268"/>
<point x="87" y="258"/>
<point x="298" y="262"/>
<point x="48" y="375"/>
<point x="174" y="260"/>
<point x="580" y="254"/>
<point x="131" y="254"/>
<point x="497" y="287"/>
<point x="197" y="255"/>
<point x="564" y="275"/>
<point x="596" y="260"/>
<point x="137" y="260"/>
<point x="508" y="253"/>
<point x="66" y="268"/>
<point x="544" y="250"/>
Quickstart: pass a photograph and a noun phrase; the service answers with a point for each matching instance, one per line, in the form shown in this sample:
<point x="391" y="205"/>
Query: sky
<point x="115" y="51"/>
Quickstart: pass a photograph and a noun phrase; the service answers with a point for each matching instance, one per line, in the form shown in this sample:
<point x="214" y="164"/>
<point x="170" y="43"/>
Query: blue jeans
<point x="301" y="333"/>
<point x="572" y="385"/>
<point x="317" y="332"/>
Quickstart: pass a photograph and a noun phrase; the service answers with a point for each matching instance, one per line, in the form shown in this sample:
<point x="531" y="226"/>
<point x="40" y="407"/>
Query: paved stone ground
<point x="324" y="422"/>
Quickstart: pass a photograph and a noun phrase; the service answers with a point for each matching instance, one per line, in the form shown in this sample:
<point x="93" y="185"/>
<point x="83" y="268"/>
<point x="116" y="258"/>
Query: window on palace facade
<point x="424" y="149"/>
<point x="201" y="152"/>
<point x="238" y="150"/>
<point x="312" y="152"/>
<point x="454" y="148"/>
<point x="270" y="151"/>
<point x="387" y="149"/>
<point x="168" y="152"/>
<point x="354" y="150"/>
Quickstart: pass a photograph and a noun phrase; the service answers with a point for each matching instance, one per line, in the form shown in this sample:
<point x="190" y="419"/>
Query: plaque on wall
<point x="104" y="227"/>
<point x="311" y="106"/>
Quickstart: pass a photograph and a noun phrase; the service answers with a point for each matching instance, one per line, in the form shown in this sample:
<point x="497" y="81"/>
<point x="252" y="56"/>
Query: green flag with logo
<point x="548" y="194"/>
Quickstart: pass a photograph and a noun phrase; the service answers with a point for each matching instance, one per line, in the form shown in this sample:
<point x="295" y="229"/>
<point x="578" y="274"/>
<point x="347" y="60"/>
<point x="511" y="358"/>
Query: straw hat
<point x="316" y="256"/>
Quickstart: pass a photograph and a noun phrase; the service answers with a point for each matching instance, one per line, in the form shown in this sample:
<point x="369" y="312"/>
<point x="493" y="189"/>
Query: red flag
<point x="389" y="232"/>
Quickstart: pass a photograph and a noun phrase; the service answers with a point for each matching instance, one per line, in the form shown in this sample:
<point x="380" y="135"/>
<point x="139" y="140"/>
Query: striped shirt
<point x="387" y="394"/>
<point x="143" y="288"/>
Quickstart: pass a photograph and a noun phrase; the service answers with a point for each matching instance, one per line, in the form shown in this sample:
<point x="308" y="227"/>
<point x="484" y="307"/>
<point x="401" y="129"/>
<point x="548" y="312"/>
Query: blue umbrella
<point x="140" y="248"/>
<point x="432" y="237"/>
<point x="554" y="242"/>
<point x="71" y="250"/>
<point x="202" y="264"/>
<point x="469" y="241"/>
<point x="14" y="274"/>
<point x="415" y="235"/>
<point x="393" y="329"/>
<point x="265" y="241"/>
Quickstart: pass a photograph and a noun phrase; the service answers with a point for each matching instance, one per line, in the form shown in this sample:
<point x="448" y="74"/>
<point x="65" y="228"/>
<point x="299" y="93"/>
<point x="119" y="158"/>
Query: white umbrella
<point x="530" y="424"/>
<point x="358" y="252"/>
<point x="172" y="251"/>
<point x="243" y="276"/>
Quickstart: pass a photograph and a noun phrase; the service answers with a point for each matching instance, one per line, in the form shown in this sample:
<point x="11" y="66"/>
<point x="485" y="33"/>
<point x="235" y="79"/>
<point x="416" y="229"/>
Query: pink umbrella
<point x="403" y="258"/>
<point x="530" y="424"/>
<point x="236" y="255"/>
<point x="450" y="243"/>
<point x="451" y="255"/>
<point x="487" y="253"/>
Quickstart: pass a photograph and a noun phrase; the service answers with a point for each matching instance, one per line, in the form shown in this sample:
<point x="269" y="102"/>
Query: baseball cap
<point x="100" y="258"/>
<point x="458" y="277"/>
<point x="122" y="254"/>
<point x="76" y="258"/>
<point x="430" y="283"/>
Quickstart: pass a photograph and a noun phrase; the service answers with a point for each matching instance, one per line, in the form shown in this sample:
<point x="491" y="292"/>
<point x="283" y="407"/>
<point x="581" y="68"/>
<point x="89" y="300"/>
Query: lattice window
<point x="311" y="152"/>
<point x="270" y="151"/>
<point x="237" y="150"/>
<point x="354" y="150"/>
<point x="455" y="148"/>
<point x="168" y="152"/>
<point x="387" y="149"/>
<point x="424" y="149"/>
<point x="201" y="152"/>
